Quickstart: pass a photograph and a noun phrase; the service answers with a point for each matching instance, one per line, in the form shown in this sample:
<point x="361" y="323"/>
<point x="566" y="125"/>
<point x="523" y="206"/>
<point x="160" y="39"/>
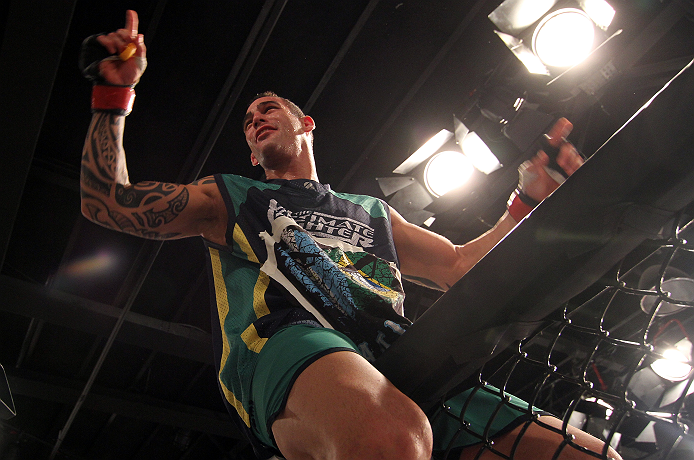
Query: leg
<point x="539" y="443"/>
<point x="341" y="407"/>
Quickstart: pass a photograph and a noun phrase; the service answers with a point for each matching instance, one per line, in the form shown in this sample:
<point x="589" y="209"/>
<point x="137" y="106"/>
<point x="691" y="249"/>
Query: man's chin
<point x="274" y="160"/>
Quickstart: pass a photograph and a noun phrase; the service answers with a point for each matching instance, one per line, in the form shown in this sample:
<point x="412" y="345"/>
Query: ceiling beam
<point x="32" y="47"/>
<point x="233" y="86"/>
<point x="56" y="307"/>
<point x="135" y="406"/>
<point x="342" y="52"/>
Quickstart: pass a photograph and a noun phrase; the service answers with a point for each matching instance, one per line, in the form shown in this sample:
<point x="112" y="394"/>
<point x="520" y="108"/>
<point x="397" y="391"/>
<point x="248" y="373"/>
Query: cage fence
<point x="615" y="361"/>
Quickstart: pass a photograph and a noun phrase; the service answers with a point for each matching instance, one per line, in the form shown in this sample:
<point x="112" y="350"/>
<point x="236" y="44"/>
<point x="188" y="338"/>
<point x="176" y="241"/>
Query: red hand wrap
<point x="517" y="209"/>
<point x="113" y="99"/>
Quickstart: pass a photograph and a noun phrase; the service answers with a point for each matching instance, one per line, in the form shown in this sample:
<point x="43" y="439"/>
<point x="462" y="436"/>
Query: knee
<point x="582" y="439"/>
<point x="403" y="434"/>
<point x="538" y="442"/>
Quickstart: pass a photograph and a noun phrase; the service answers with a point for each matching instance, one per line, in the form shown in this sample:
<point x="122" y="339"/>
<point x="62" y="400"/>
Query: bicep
<point x="156" y="210"/>
<point x="425" y="257"/>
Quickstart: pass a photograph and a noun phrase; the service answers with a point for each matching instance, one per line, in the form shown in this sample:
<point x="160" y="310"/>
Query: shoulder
<point x="237" y="187"/>
<point x="206" y="197"/>
<point x="376" y="207"/>
<point x="205" y="187"/>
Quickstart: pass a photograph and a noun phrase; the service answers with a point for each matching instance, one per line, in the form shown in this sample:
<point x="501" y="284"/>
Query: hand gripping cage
<point x="573" y="310"/>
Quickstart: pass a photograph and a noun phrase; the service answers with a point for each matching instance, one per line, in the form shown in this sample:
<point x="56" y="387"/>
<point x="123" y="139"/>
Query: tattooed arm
<point x="148" y="209"/>
<point x="153" y="210"/>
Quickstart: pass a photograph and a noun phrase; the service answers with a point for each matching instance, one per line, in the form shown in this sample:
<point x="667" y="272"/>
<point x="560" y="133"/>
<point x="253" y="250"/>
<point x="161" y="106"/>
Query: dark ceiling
<point x="104" y="337"/>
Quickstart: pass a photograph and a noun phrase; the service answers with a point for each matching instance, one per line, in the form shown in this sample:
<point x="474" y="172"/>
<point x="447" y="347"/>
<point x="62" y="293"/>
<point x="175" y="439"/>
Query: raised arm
<point x="152" y="210"/>
<point x="433" y="261"/>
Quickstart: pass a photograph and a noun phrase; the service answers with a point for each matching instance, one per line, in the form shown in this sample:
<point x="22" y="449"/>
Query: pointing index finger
<point x="558" y="132"/>
<point x="131" y="24"/>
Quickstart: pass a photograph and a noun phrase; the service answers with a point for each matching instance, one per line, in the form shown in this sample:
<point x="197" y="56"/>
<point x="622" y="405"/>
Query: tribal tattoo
<point x="108" y="197"/>
<point x="204" y="180"/>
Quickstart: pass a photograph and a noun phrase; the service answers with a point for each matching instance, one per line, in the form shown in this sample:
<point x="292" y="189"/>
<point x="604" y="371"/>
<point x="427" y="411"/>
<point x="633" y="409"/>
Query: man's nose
<point x="258" y="118"/>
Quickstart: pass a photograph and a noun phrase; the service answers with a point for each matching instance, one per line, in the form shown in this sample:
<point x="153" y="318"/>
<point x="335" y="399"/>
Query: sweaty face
<point x="272" y="132"/>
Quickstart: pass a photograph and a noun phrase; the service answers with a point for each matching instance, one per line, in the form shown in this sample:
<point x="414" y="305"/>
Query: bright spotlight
<point x="447" y="171"/>
<point x="675" y="363"/>
<point x="564" y="38"/>
<point x="429" y="148"/>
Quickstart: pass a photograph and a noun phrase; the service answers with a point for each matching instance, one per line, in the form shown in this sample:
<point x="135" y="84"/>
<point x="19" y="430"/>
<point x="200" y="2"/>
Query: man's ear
<point x="308" y="124"/>
<point x="254" y="162"/>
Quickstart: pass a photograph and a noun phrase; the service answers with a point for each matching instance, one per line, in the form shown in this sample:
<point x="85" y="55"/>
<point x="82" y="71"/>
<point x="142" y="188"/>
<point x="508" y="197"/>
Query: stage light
<point x="548" y="35"/>
<point x="675" y="283"/>
<point x="564" y="38"/>
<point x="675" y="365"/>
<point x="447" y="171"/>
<point x="475" y="149"/>
<point x="429" y="148"/>
<point x="442" y="164"/>
<point x="479" y="154"/>
<point x="672" y="367"/>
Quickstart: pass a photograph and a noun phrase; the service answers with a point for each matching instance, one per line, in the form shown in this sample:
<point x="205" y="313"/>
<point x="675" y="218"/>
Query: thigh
<point x="342" y="407"/>
<point x="534" y="441"/>
<point x="283" y="358"/>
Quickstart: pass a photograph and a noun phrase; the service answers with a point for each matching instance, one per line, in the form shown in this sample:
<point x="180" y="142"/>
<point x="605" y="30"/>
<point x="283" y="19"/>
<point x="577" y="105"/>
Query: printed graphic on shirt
<point x="323" y="225"/>
<point x="345" y="287"/>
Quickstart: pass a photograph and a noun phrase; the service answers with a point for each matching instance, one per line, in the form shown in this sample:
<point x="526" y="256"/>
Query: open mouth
<point x="262" y="131"/>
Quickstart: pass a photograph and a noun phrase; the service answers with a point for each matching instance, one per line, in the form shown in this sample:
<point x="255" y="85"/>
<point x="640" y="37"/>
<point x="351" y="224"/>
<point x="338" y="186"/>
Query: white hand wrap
<point x="525" y="176"/>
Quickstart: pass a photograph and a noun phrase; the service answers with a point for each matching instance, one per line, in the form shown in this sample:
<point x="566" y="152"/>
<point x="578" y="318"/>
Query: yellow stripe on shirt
<point x="259" y="304"/>
<point x="252" y="340"/>
<point x="220" y="290"/>
<point x="243" y="243"/>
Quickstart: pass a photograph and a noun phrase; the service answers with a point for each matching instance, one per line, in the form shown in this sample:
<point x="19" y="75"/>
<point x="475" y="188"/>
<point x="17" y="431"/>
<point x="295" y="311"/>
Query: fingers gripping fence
<point x="576" y="310"/>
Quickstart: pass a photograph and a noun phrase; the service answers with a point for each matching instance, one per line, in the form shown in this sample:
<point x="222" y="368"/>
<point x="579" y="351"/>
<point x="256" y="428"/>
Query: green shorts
<point x="283" y="357"/>
<point x="292" y="349"/>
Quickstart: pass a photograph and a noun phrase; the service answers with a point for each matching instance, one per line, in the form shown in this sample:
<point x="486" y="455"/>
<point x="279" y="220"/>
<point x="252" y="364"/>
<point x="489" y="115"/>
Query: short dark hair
<point x="293" y="108"/>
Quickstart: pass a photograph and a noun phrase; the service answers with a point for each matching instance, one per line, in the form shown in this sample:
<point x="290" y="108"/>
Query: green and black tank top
<point x="299" y="253"/>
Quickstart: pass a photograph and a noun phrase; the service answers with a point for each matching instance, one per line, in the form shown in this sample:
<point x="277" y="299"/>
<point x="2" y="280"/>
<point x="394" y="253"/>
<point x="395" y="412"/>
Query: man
<point x="306" y="280"/>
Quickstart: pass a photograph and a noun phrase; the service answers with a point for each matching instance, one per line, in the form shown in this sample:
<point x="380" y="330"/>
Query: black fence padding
<point x="625" y="194"/>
